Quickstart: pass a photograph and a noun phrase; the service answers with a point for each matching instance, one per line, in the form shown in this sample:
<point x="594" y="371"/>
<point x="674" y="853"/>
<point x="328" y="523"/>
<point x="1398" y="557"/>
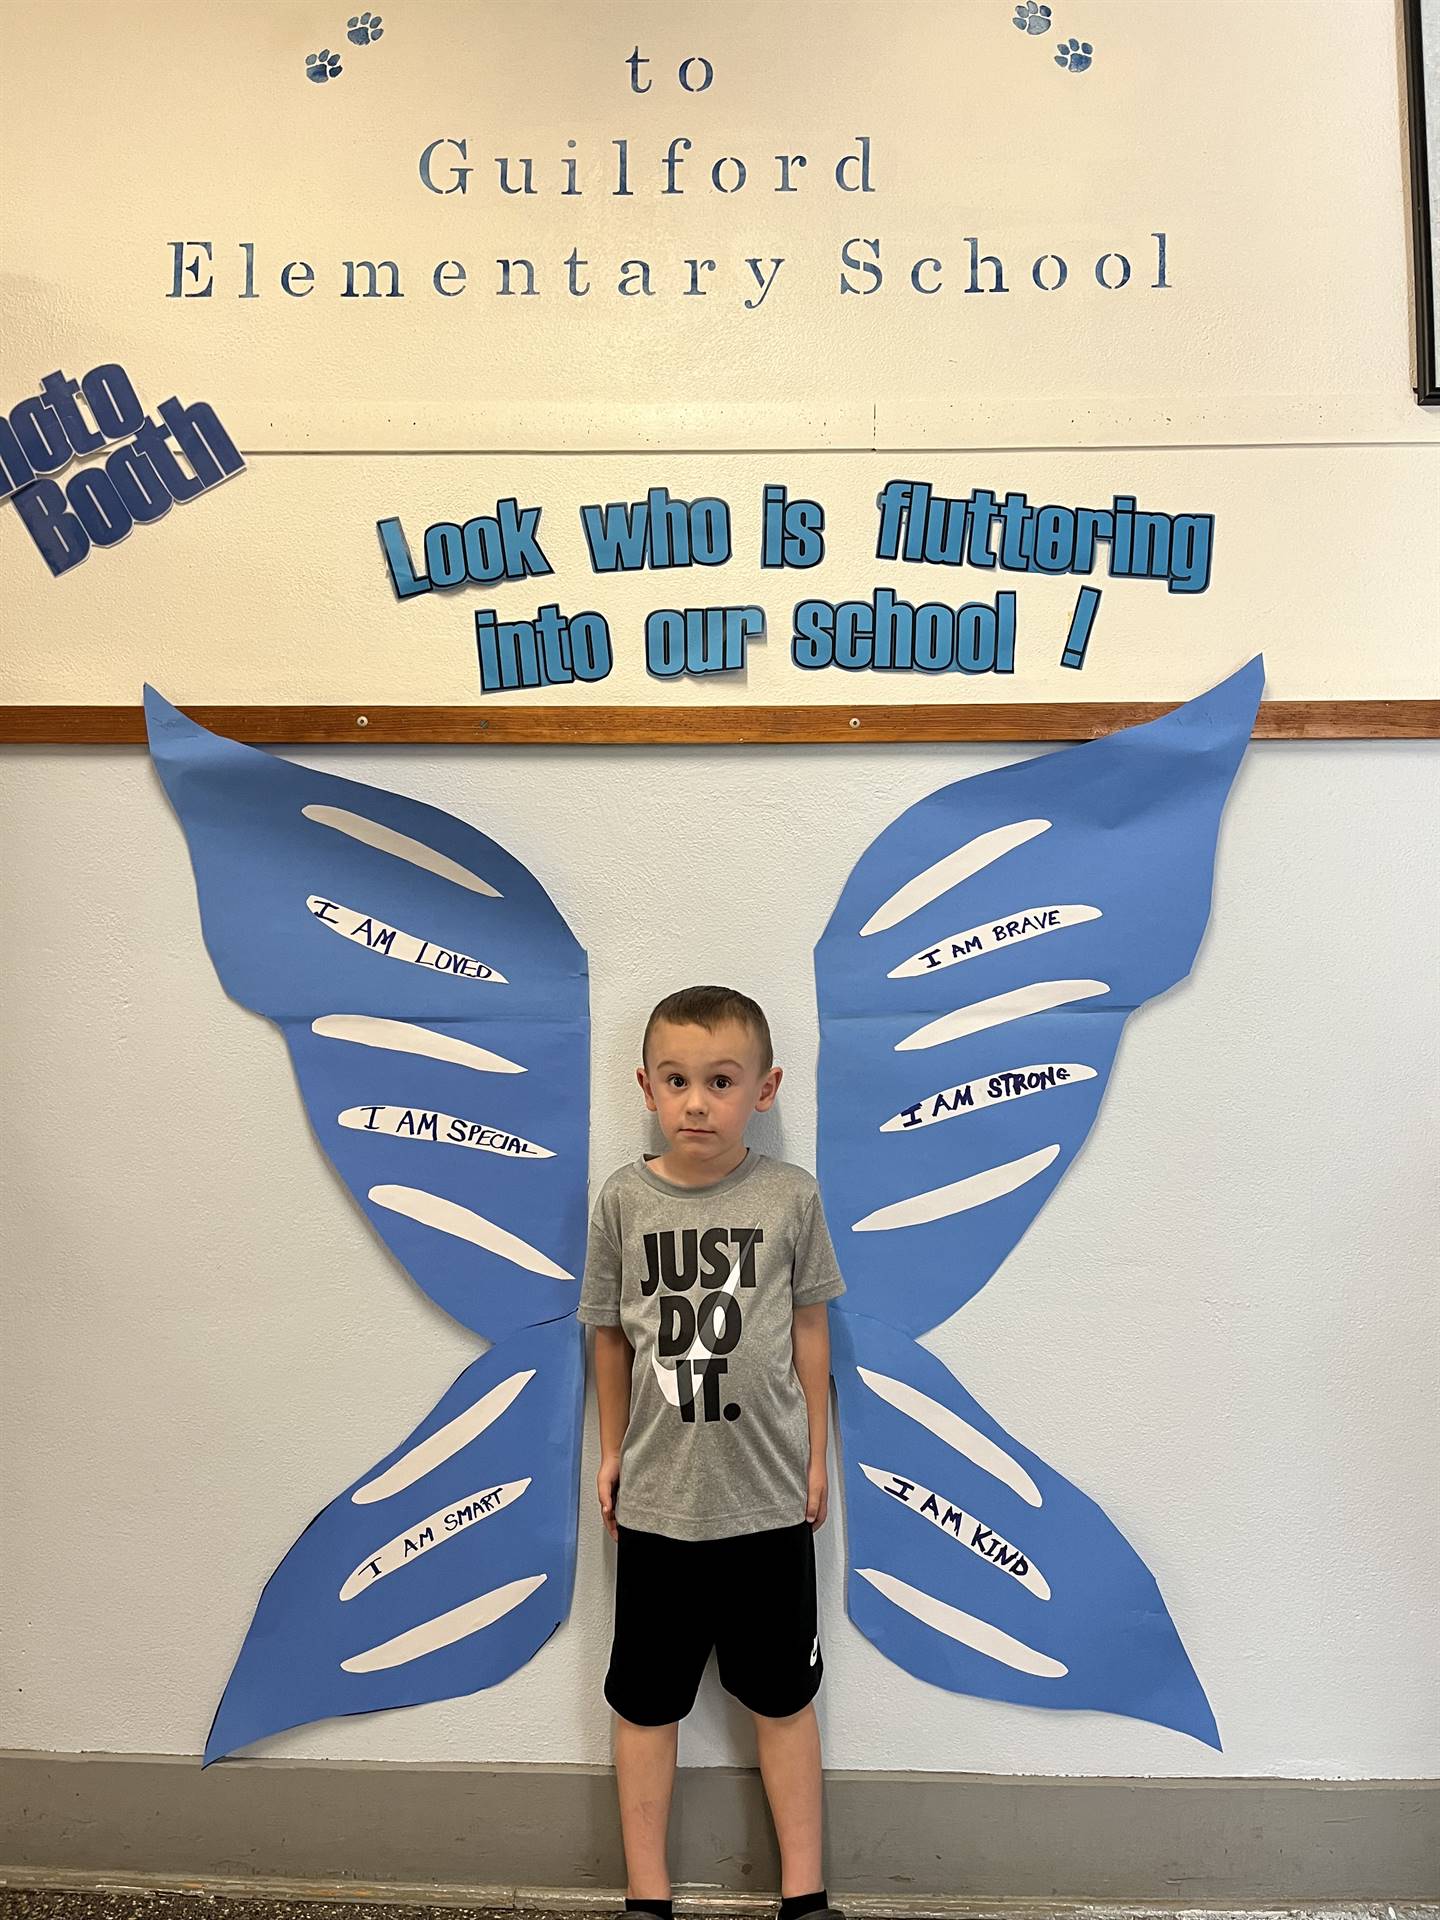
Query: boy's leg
<point x="790" y="1767"/>
<point x="770" y="1660"/>
<point x="645" y="1776"/>
<point x="656" y="1659"/>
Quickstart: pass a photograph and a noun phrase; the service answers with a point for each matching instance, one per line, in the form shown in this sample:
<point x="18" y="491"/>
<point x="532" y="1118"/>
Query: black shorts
<point x="751" y="1597"/>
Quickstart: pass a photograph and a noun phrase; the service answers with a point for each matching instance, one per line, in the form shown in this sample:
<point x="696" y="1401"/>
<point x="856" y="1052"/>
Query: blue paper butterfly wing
<point x="1105" y="888"/>
<point x="435" y="1005"/>
<point x="973" y="983"/>
<point x="455" y="1567"/>
<point x="443" y="1099"/>
<point x="976" y="1566"/>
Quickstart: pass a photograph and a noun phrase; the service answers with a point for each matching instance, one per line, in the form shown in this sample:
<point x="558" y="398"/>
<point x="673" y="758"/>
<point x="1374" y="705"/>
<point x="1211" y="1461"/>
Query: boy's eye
<point x="722" y="1080"/>
<point x="676" y="1080"/>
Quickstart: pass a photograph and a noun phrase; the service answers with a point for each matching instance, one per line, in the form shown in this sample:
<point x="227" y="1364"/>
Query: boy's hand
<point x="817" y="1495"/>
<point x="607" y="1482"/>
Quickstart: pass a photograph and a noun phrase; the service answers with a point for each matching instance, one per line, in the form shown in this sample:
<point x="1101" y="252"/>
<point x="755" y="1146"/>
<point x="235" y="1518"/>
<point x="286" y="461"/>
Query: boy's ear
<point x="644" y="1081"/>
<point x="769" y="1087"/>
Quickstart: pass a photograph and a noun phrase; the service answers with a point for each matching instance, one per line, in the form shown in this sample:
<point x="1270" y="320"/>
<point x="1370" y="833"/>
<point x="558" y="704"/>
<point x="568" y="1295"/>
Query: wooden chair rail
<point x="704" y="725"/>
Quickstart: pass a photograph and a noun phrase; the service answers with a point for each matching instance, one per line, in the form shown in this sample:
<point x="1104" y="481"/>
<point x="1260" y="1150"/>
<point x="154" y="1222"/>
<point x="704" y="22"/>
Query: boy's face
<point x="704" y="1085"/>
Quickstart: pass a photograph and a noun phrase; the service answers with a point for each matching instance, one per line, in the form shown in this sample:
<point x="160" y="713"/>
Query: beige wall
<point x="1267" y="382"/>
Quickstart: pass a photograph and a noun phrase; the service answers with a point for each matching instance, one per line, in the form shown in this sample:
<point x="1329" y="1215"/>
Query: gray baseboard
<point x="1176" y="1843"/>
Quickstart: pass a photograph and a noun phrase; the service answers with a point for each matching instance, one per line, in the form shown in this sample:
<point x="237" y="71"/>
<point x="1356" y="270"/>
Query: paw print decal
<point x="1031" y="17"/>
<point x="363" y="28"/>
<point x="1074" y="55"/>
<point x="322" y="66"/>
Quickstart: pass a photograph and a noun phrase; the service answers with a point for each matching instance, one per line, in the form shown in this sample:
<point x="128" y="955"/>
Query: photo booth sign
<point x="606" y="372"/>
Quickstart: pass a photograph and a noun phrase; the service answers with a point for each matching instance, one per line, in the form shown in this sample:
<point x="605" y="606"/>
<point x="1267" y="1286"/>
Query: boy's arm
<point x="614" y="1357"/>
<point x="599" y="1308"/>
<point x="810" y="1339"/>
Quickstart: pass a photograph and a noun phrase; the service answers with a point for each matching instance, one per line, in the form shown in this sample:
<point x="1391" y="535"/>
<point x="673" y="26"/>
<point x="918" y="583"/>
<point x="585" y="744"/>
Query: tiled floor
<point x="124" y="1903"/>
<point x="19" y="1903"/>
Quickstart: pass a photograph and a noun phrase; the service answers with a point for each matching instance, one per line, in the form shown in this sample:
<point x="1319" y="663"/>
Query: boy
<point x="707" y="1277"/>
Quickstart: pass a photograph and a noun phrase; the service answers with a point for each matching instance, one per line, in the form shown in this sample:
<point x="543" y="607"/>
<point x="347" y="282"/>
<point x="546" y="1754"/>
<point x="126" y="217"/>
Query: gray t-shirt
<point x="704" y="1282"/>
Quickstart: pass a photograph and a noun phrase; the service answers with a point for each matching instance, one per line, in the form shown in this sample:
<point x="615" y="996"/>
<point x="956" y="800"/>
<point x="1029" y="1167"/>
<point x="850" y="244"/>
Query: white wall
<point x="1223" y="1327"/>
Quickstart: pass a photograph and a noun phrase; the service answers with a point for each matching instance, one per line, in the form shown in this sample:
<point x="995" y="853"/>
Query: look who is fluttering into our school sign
<point x="883" y="633"/>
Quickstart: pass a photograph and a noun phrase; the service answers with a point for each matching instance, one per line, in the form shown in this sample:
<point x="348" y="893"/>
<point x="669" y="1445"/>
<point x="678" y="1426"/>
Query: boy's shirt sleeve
<point x="600" y="1287"/>
<point x="815" y="1276"/>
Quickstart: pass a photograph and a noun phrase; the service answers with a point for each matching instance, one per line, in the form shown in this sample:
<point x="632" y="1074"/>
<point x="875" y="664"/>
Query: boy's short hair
<point x="710" y="1007"/>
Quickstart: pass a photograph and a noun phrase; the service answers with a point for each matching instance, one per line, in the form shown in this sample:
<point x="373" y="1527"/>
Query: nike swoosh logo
<point x="815" y="1650"/>
<point x="669" y="1385"/>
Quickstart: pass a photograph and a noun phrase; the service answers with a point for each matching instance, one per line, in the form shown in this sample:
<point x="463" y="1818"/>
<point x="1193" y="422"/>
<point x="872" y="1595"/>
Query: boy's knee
<point x="784" y="1719"/>
<point x="645" y="1726"/>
